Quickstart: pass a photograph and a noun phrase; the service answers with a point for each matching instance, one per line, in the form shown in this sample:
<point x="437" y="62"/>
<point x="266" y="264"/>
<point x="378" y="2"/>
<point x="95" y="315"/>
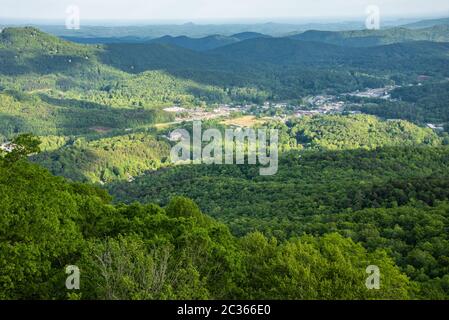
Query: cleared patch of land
<point x="244" y="121"/>
<point x="99" y="129"/>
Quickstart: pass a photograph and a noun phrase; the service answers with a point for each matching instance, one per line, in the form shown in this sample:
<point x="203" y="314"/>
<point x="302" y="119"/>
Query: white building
<point x="435" y="127"/>
<point x="174" y="109"/>
<point x="175" y="136"/>
<point x="7" y="147"/>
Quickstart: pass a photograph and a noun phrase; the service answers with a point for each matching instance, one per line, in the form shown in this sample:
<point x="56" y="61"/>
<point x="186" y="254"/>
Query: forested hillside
<point x="50" y="86"/>
<point x="394" y="198"/>
<point x="120" y="157"/>
<point x="101" y="159"/>
<point x="420" y="56"/>
<point x="149" y="252"/>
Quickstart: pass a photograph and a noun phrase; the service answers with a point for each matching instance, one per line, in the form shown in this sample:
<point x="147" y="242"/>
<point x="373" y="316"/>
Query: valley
<point x="86" y="123"/>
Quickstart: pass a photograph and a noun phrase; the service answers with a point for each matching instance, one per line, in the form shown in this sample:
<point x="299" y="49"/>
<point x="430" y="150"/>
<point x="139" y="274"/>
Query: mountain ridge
<point x="368" y="38"/>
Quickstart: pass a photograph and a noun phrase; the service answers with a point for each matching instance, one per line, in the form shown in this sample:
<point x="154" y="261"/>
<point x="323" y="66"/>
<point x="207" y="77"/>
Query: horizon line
<point x="222" y="21"/>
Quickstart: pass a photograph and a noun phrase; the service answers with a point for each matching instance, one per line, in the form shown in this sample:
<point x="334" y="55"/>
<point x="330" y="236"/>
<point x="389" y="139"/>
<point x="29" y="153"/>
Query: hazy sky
<point x="216" y="9"/>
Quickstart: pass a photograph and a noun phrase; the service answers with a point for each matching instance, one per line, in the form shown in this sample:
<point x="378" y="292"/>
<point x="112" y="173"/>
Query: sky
<point x="192" y="10"/>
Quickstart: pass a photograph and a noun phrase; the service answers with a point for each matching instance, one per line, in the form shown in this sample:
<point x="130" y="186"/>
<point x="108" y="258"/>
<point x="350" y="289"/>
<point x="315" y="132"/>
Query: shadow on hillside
<point x="79" y="116"/>
<point x="11" y="63"/>
<point x="12" y="125"/>
<point x="208" y="69"/>
<point x="9" y="66"/>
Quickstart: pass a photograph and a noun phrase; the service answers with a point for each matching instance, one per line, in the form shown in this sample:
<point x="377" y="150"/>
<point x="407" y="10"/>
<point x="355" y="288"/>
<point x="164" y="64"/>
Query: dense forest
<point x="149" y="252"/>
<point x="394" y="198"/>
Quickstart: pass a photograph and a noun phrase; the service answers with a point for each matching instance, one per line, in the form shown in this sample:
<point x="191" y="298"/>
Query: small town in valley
<point x="308" y="106"/>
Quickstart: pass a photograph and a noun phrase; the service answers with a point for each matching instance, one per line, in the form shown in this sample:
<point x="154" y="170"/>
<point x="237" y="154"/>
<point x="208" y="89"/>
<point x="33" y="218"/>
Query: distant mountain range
<point x="94" y="34"/>
<point x="145" y="32"/>
<point x="286" y="67"/>
<point x="356" y="38"/>
<point x="207" y="43"/>
<point x="239" y="52"/>
<point x="196" y="44"/>
<point x="436" y="30"/>
<point x="427" y="23"/>
<point x="365" y="38"/>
